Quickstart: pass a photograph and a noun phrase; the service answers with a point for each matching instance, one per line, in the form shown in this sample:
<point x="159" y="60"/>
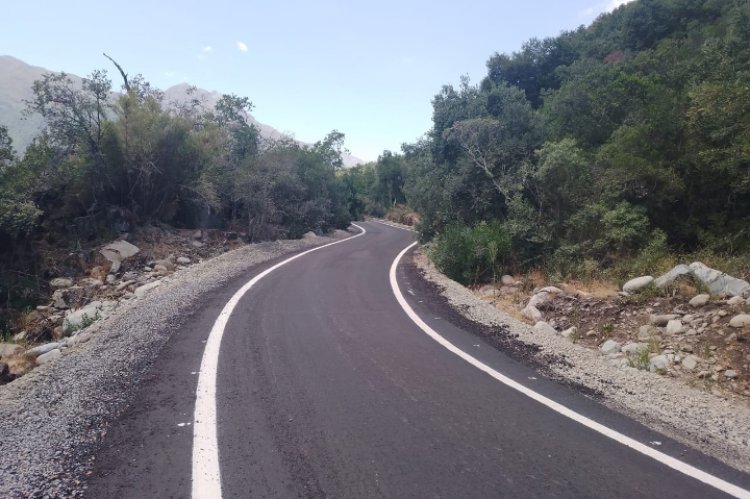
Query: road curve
<point x="326" y="388"/>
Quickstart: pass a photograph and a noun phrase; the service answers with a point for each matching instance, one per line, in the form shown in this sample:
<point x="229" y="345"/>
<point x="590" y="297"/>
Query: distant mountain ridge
<point x="17" y="78"/>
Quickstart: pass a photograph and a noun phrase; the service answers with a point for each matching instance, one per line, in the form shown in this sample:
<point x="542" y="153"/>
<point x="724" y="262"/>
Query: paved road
<point x="325" y="388"/>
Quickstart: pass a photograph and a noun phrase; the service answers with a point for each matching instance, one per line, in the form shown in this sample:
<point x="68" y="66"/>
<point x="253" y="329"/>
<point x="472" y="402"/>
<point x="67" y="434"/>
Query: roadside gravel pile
<point x="52" y="418"/>
<point x="717" y="425"/>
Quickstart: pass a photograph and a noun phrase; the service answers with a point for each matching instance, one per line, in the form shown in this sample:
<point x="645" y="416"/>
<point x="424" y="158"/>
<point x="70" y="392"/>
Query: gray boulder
<point x="141" y="291"/>
<point x="635" y="348"/>
<point x="544" y="328"/>
<point x="699" y="300"/>
<point x="183" y="260"/>
<point x="741" y="320"/>
<point x="671" y="276"/>
<point x="118" y="251"/>
<point x="637" y="284"/>
<point x="82" y="317"/>
<point x="659" y="363"/>
<point x="719" y="283"/>
<point x="674" y="327"/>
<point x="532" y="313"/>
<point x="690" y="362"/>
<point x="42" y="349"/>
<point x="571" y="331"/>
<point x="610" y="347"/>
<point x="48" y="357"/>
<point x="61" y="282"/>
<point x="539" y="299"/>
<point x="662" y="319"/>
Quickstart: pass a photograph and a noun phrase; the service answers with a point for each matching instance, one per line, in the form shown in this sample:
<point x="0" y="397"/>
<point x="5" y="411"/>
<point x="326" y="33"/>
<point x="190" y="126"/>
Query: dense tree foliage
<point x="110" y="162"/>
<point x="106" y="163"/>
<point x="599" y="143"/>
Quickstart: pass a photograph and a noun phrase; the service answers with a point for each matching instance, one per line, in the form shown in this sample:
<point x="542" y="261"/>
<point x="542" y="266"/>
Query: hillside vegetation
<point x="618" y="142"/>
<point x="105" y="166"/>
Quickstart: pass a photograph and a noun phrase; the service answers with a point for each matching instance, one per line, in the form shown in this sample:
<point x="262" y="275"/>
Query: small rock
<point x="111" y="279"/>
<point x="89" y="282"/>
<point x="571" y="331"/>
<point x="544" y="328"/>
<point x="647" y="332"/>
<point x="183" y="260"/>
<point x="722" y="313"/>
<point x="662" y="320"/>
<point x="488" y="289"/>
<point x="160" y="268"/>
<point x="591" y="334"/>
<point x="197" y="244"/>
<point x="125" y="284"/>
<point x="532" y="313"/>
<point x="42" y="349"/>
<point x="610" y="347"/>
<point x="539" y="299"/>
<point x="690" y="362"/>
<point x="674" y="327"/>
<point x="48" y="357"/>
<point x="309" y="235"/>
<point x="730" y="373"/>
<point x="78" y="338"/>
<point x="659" y="363"/>
<point x="507" y="280"/>
<point x="736" y="301"/>
<point x="19" y="337"/>
<point x="635" y="348"/>
<point x="61" y="282"/>
<point x="741" y="320"/>
<point x="551" y="290"/>
<point x="141" y="291"/>
<point x="198" y="234"/>
<point x="637" y="284"/>
<point x="699" y="300"/>
<point x="704" y="374"/>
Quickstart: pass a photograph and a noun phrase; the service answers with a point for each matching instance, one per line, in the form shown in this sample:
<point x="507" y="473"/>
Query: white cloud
<point x="241" y="46"/>
<point x="205" y="51"/>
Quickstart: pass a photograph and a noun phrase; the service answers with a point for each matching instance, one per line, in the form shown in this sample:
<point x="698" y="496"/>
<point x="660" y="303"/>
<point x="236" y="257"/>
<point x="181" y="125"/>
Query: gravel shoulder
<point x="716" y="425"/>
<point x="52" y="419"/>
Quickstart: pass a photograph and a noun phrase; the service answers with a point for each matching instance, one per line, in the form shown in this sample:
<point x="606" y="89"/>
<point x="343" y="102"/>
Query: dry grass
<point x="20" y="364"/>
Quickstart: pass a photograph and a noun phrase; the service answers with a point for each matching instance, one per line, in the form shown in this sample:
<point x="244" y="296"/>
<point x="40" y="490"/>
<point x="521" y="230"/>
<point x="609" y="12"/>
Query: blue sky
<point x="368" y="69"/>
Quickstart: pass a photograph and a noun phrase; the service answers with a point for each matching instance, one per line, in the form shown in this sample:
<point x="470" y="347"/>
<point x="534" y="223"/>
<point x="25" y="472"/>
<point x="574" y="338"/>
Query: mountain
<point x="17" y="77"/>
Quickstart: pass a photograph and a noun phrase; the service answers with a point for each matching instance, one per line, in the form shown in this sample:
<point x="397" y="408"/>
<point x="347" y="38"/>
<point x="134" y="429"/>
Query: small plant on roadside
<point x="86" y="321"/>
<point x="607" y="329"/>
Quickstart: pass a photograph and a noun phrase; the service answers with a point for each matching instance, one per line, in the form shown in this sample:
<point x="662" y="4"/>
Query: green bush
<point x="471" y="255"/>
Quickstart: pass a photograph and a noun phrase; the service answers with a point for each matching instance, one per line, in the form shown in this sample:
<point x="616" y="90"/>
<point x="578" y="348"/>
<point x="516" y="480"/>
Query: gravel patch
<point x="716" y="425"/>
<point x="52" y="419"/>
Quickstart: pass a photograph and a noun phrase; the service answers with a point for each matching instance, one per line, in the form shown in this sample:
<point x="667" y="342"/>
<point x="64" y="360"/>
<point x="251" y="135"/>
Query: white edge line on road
<point x="206" y="475"/>
<point x="665" y="459"/>
<point x="389" y="224"/>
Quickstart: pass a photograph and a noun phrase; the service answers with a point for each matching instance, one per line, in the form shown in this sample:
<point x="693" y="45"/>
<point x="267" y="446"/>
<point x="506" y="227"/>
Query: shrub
<point x="471" y="255"/>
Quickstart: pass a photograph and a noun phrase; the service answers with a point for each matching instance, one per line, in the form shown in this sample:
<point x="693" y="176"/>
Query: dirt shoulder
<point x="714" y="420"/>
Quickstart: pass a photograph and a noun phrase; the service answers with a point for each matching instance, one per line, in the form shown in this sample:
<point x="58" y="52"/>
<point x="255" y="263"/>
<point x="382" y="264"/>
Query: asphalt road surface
<point x="326" y="388"/>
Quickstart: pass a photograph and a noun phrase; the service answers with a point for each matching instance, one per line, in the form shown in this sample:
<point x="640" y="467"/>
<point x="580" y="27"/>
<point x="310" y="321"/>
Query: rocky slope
<point x="678" y="367"/>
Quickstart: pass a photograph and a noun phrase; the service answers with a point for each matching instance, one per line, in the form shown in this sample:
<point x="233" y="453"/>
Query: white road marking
<point x="389" y="224"/>
<point x="206" y="475"/>
<point x="665" y="459"/>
